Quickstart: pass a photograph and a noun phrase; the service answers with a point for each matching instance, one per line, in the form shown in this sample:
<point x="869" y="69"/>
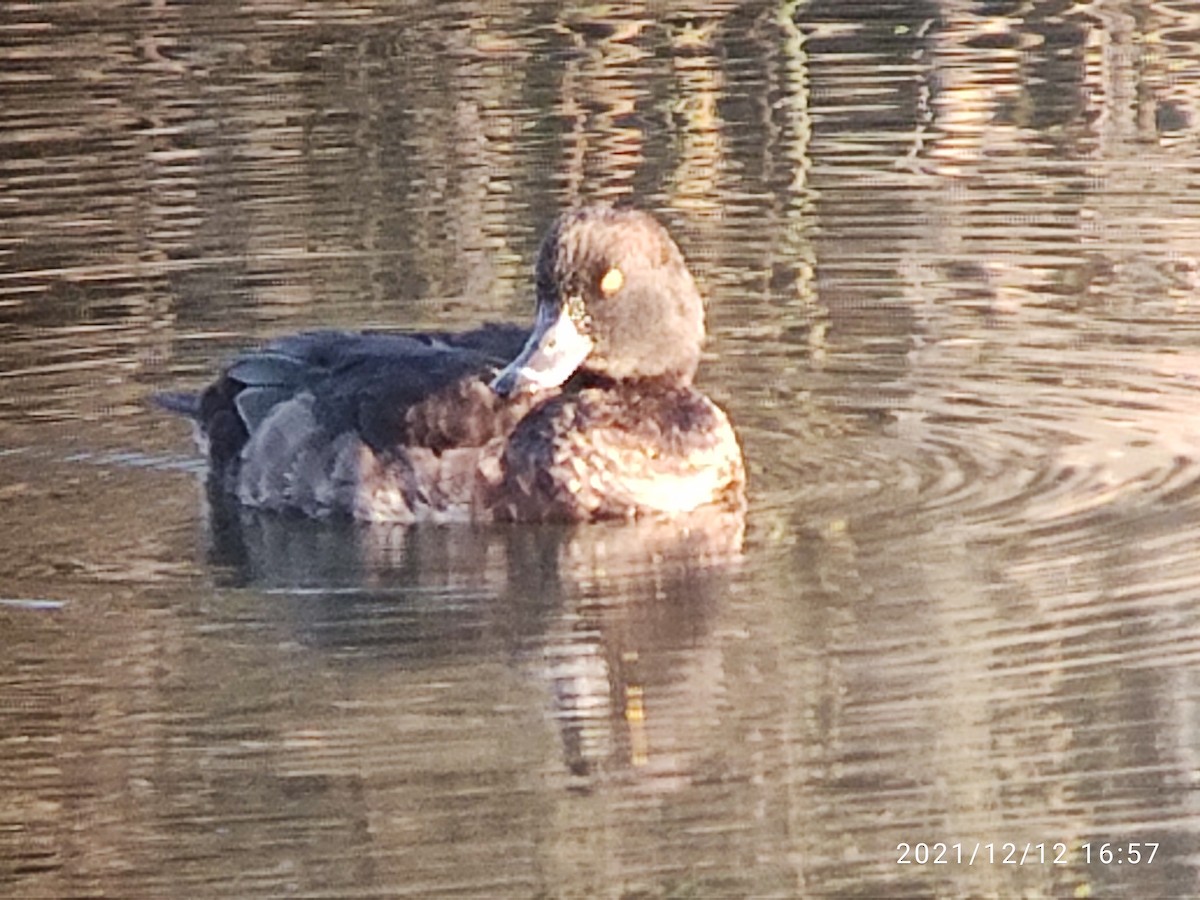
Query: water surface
<point x="951" y="253"/>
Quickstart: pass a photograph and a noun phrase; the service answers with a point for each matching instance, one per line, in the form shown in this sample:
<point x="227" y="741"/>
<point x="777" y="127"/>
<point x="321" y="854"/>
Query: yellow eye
<point x="611" y="282"/>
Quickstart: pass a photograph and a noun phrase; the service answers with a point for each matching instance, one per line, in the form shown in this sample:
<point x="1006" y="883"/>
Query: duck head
<point x="615" y="299"/>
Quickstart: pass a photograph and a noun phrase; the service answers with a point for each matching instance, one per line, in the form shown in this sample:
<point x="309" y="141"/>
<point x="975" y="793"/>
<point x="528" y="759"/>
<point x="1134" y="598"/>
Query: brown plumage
<point x="636" y="449"/>
<point x="592" y="416"/>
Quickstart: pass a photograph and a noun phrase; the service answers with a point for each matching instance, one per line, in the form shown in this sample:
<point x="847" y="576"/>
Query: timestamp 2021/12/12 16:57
<point x="1016" y="853"/>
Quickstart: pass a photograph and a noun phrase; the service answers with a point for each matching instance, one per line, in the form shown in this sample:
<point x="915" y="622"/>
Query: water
<point x="951" y="252"/>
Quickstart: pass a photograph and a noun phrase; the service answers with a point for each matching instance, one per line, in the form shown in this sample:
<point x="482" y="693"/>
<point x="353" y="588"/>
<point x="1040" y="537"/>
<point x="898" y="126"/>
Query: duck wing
<point x="426" y="390"/>
<point x="369" y="382"/>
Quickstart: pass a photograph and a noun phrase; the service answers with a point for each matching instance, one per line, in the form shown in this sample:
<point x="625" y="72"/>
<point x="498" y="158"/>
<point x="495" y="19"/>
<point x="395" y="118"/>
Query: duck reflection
<point x="607" y="618"/>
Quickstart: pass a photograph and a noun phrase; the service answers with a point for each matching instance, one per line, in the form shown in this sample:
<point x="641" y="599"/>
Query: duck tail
<point x="181" y="403"/>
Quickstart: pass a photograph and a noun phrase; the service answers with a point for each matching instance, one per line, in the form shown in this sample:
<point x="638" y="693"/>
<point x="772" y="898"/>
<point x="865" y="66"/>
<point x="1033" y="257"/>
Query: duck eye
<point x="611" y="282"/>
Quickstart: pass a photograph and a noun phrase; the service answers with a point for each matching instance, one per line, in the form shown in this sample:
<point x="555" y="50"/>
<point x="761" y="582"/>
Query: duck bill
<point x="555" y="349"/>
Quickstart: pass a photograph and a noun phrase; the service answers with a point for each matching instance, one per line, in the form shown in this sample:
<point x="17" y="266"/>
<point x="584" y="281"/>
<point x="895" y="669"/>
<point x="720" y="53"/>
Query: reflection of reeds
<point x="1038" y="148"/>
<point x="999" y="208"/>
<point x="602" y="97"/>
<point x="700" y="154"/>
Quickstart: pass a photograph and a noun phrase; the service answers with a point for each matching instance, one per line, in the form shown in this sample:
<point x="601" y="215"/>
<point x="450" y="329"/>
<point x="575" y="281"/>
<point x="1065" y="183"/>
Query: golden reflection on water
<point x="951" y="259"/>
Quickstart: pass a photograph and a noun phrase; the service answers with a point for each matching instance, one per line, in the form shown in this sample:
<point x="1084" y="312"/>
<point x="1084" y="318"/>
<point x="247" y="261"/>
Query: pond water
<point x="951" y="252"/>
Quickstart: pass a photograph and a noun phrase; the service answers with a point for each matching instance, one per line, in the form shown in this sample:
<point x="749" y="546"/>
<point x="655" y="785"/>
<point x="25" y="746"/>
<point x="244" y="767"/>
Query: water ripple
<point x="1043" y="439"/>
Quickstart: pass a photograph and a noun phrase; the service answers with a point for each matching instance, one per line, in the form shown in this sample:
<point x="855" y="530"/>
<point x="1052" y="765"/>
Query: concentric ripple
<point x="1028" y="438"/>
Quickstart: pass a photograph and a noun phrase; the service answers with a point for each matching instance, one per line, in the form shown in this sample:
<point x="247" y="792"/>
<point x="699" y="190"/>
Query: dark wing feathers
<point x="254" y="404"/>
<point x="365" y="381"/>
<point x="369" y="381"/>
<point x="182" y="403"/>
<point x="271" y="368"/>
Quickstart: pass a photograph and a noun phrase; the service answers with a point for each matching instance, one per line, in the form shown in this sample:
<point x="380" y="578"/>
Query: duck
<point x="590" y="414"/>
